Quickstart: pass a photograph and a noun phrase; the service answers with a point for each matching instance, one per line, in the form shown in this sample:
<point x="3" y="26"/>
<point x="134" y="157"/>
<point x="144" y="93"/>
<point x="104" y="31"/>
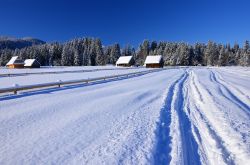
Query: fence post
<point x="59" y="83"/>
<point x="15" y="90"/>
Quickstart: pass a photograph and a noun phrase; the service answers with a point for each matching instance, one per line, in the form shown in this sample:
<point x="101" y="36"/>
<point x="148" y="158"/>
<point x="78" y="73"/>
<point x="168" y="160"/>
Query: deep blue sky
<point x="127" y="21"/>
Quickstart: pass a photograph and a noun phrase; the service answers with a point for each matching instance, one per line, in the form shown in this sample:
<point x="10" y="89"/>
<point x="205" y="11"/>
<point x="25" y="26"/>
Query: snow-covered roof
<point x="153" y="59"/>
<point x="124" y="60"/>
<point x="14" y="60"/>
<point x="29" y="62"/>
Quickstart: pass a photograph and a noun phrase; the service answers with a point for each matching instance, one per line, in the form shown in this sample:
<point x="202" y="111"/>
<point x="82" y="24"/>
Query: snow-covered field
<point x="175" y="116"/>
<point x="5" y="70"/>
<point x="46" y="78"/>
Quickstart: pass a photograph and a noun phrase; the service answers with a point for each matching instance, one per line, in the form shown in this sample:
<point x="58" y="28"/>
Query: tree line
<point x="91" y="52"/>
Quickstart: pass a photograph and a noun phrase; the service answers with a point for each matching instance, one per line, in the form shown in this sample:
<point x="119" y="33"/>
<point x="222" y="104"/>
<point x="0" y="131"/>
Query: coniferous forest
<point x="91" y="52"/>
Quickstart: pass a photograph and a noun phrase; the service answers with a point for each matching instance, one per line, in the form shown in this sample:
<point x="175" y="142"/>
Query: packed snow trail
<point x="178" y="116"/>
<point x="180" y="144"/>
<point x="184" y="146"/>
<point x="221" y="125"/>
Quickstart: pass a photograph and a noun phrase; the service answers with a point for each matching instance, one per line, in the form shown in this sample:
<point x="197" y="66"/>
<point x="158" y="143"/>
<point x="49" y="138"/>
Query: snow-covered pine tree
<point x="77" y="58"/>
<point x="211" y="53"/>
<point x="223" y="56"/>
<point x="67" y="55"/>
<point x="100" y="60"/>
<point x="152" y="48"/>
<point x="245" y="56"/>
<point x="107" y="53"/>
<point x="92" y="53"/>
<point x="127" y="50"/>
<point x="115" y="53"/>
<point x="143" y="51"/>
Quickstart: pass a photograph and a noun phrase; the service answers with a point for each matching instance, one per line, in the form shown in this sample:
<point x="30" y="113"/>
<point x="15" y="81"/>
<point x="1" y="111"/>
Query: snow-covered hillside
<point x="175" y="116"/>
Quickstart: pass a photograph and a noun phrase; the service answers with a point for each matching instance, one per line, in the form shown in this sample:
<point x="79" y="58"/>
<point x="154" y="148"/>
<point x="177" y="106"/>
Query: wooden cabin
<point x="31" y="63"/>
<point x="125" y="61"/>
<point x="154" y="61"/>
<point x="15" y="63"/>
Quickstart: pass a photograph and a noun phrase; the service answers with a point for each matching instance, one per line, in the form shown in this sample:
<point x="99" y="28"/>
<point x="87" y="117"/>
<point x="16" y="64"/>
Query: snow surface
<point x="4" y="70"/>
<point x="124" y="60"/>
<point x="176" y="116"/>
<point x="29" y="62"/>
<point x="46" y="78"/>
<point x="153" y="59"/>
<point x="12" y="60"/>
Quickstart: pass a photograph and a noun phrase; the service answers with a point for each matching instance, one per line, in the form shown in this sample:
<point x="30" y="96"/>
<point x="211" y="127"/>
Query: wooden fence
<point x="59" y="83"/>
<point x="58" y="72"/>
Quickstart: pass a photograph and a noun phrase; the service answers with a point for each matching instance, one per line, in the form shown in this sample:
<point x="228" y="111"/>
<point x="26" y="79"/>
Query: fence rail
<point x="59" y="83"/>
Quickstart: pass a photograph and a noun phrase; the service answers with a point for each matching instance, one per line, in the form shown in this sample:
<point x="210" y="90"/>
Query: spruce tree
<point x="115" y="53"/>
<point x="100" y="60"/>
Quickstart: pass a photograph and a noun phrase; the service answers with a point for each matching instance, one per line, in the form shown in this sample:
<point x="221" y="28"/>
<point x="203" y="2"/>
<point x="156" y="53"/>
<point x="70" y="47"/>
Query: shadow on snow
<point x="189" y="145"/>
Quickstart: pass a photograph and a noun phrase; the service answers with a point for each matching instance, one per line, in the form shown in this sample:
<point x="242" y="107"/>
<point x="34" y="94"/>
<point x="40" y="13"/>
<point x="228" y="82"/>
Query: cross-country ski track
<point x="195" y="115"/>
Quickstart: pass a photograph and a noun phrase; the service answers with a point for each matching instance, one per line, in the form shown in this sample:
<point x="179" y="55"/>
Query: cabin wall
<point x="33" y="66"/>
<point x="12" y="66"/>
<point x="124" y="65"/>
<point x="154" y="65"/>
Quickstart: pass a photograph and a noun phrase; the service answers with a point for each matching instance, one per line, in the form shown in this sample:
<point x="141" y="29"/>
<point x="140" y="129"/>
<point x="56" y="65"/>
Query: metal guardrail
<point x="59" y="83"/>
<point x="58" y="72"/>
